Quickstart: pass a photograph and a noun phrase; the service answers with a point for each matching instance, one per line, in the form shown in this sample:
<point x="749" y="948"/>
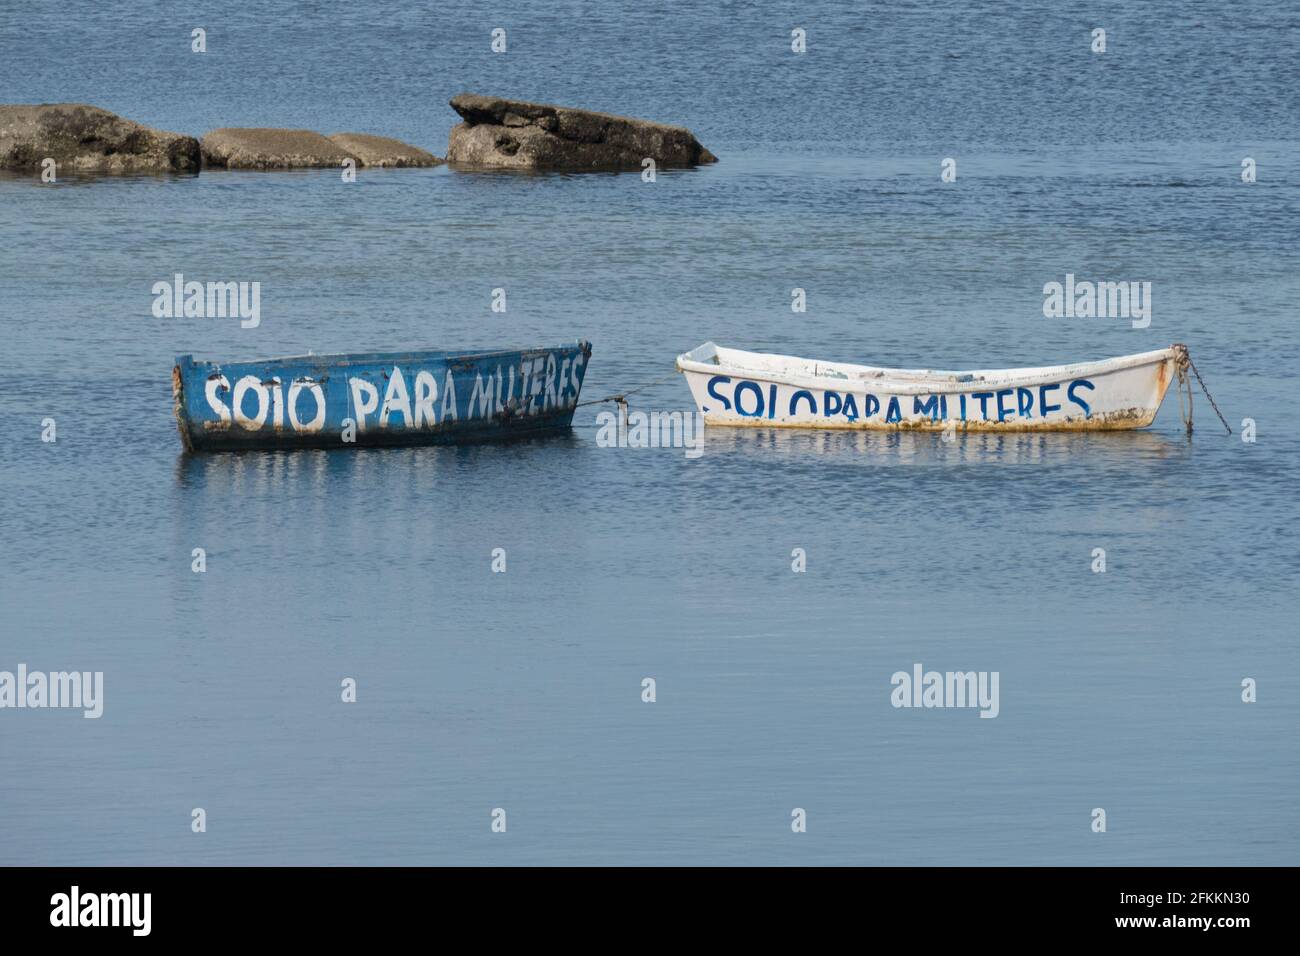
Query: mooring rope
<point x="621" y="397"/>
<point x="1182" y="362"/>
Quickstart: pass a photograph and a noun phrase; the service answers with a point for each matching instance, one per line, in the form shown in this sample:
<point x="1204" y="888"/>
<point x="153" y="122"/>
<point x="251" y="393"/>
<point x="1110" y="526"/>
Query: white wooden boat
<point x="733" y="387"/>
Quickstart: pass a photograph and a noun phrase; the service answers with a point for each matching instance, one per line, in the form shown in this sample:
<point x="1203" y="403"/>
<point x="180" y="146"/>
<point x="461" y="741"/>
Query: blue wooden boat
<point x="377" y="399"/>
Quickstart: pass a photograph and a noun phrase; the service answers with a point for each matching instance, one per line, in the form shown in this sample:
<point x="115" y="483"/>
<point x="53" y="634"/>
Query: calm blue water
<point x="523" y="690"/>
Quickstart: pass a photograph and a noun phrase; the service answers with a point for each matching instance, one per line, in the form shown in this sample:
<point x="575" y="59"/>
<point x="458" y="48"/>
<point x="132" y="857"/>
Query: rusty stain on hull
<point x="1125" y="419"/>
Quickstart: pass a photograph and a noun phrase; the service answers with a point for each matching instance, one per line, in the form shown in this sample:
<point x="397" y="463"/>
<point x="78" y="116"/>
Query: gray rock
<point x="88" y="139"/>
<point x="521" y="135"/>
<point x="382" y="151"/>
<point x="236" y="148"/>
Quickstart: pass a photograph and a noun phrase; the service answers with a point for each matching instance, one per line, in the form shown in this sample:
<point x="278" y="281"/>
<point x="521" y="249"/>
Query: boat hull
<point x="377" y="399"/>
<point x="754" y="389"/>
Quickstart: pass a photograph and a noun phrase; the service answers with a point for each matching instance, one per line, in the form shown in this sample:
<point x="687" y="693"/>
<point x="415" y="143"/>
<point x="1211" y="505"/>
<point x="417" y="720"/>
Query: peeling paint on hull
<point x="377" y="399"/>
<point x="737" y="388"/>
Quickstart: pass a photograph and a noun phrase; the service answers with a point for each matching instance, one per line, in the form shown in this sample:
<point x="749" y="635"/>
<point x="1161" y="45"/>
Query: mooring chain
<point x="1182" y="362"/>
<point x="1208" y="395"/>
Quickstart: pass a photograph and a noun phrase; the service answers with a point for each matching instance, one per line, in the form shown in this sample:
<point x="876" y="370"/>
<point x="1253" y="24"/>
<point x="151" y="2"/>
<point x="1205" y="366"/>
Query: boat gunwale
<point x="345" y="359"/>
<point x="924" y="381"/>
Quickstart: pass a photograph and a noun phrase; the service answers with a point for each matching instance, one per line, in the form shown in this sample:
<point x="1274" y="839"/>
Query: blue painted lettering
<point x="1043" y="407"/>
<point x="1004" y="412"/>
<point x="742" y="387"/>
<point x="1080" y="382"/>
<point x="929" y="407"/>
<point x="716" y="380"/>
<point x="803" y="393"/>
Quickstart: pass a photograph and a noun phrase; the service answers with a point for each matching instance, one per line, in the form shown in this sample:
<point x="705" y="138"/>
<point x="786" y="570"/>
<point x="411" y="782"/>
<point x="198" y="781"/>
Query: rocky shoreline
<point x="495" y="133"/>
<point x="89" y="139"/>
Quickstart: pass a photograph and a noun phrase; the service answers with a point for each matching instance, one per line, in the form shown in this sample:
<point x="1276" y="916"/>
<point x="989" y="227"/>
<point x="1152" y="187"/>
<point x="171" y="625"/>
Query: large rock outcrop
<point x="382" y="151"/>
<point x="85" y="138"/>
<point x="521" y="135"/>
<point x="240" y="148"/>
